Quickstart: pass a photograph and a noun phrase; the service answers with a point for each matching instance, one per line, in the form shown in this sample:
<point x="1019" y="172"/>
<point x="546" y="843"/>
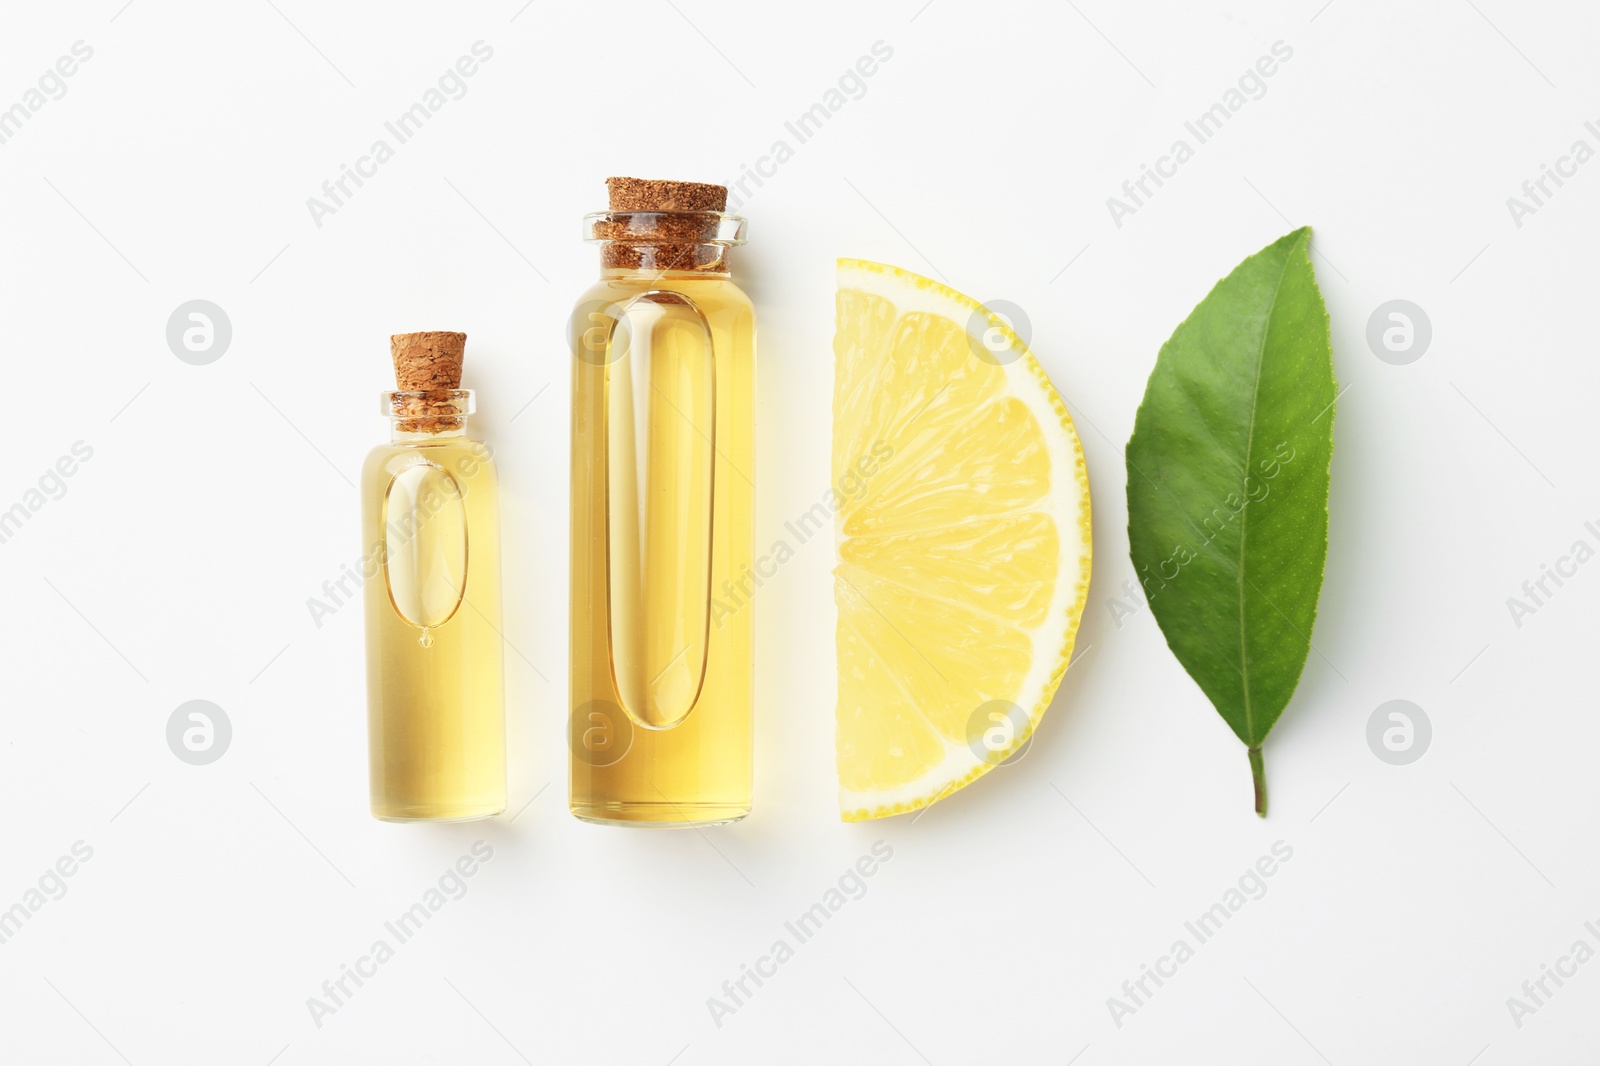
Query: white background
<point x="178" y="563"/>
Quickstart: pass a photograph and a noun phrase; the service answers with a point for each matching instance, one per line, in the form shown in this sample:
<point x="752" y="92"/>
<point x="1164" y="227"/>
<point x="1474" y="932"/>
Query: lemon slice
<point x="963" y="540"/>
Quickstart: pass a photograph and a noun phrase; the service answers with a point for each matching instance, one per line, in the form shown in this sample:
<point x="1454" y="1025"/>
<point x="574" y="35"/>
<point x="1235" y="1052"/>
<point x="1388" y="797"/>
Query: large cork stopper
<point x="642" y="194"/>
<point x="676" y="239"/>
<point x="428" y="363"/>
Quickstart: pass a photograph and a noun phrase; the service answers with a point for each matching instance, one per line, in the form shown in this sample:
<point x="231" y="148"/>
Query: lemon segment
<point x="963" y="539"/>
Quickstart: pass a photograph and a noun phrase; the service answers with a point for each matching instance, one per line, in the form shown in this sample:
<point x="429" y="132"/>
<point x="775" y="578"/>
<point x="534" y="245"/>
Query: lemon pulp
<point x="963" y="539"/>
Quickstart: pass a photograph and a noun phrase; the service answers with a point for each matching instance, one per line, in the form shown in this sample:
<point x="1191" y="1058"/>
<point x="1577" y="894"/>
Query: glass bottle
<point x="663" y="393"/>
<point x="431" y="534"/>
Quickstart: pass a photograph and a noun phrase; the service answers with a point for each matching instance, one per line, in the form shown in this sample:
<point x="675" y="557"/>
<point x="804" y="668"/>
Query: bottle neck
<point x="400" y="434"/>
<point x="664" y="259"/>
<point x="421" y="416"/>
<point x="664" y="243"/>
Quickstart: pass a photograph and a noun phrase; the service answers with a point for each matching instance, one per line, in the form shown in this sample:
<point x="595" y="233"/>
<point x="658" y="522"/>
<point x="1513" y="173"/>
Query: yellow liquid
<point x="435" y="670"/>
<point x="662" y="529"/>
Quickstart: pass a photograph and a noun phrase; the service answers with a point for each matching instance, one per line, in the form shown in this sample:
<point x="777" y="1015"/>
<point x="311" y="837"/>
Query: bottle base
<point x="660" y="815"/>
<point x="438" y="812"/>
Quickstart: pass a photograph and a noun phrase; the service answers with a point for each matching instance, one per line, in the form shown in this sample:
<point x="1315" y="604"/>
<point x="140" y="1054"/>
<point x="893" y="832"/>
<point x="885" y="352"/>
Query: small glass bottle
<point x="431" y="536"/>
<point x="663" y="442"/>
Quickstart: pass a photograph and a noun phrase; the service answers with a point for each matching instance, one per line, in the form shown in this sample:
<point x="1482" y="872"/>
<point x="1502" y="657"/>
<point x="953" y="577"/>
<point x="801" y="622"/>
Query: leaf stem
<point x="1258" y="775"/>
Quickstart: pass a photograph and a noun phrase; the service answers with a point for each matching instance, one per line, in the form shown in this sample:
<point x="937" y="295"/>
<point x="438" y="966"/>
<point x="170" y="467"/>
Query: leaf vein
<point x="1244" y="510"/>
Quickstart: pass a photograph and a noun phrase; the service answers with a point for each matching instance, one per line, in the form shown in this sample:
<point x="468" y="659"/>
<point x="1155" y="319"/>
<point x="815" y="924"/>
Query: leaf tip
<point x="1298" y="238"/>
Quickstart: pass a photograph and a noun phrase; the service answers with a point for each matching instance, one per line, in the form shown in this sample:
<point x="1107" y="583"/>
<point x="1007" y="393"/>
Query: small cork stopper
<point x="429" y="363"/>
<point x="425" y="361"/>
<point x="674" y="243"/>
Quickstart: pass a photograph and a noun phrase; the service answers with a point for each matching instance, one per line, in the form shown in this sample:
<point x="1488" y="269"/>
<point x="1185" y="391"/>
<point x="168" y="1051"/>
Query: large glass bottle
<point x="663" y="394"/>
<point x="431" y="537"/>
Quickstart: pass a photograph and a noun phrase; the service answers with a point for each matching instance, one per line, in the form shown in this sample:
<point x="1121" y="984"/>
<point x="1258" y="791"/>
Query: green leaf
<point x="1228" y="487"/>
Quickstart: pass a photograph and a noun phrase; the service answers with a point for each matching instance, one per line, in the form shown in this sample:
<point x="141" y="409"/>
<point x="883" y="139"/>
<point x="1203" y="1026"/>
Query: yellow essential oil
<point x="662" y="517"/>
<point x="435" y="669"/>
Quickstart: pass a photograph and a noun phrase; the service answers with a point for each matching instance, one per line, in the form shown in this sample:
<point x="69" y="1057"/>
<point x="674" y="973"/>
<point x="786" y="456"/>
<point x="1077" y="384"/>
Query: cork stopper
<point x="642" y="194"/>
<point x="675" y="239"/>
<point x="428" y="363"/>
